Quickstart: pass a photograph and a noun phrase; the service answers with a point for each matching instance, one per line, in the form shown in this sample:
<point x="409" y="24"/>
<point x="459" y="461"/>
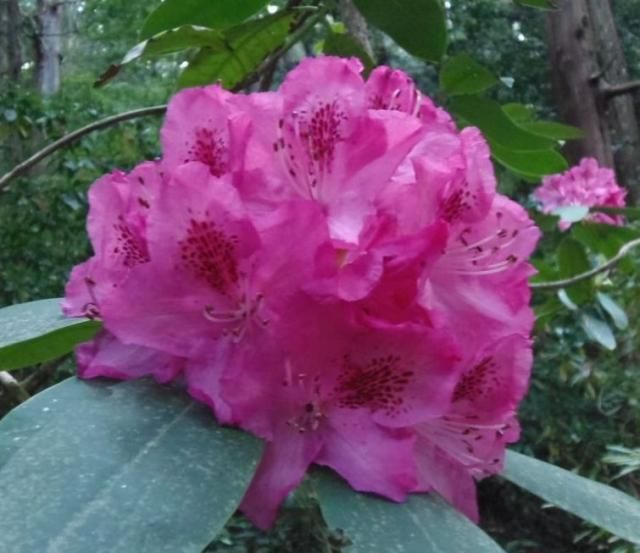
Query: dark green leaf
<point x="601" y="505"/>
<point x="615" y="311"/>
<point x="494" y="123"/>
<point x="247" y="46"/>
<point x="463" y="75"/>
<point x="423" y="524"/>
<point x="603" y="238"/>
<point x="533" y="164"/>
<point x="553" y="130"/>
<point x="37" y="331"/>
<point x="107" y="467"/>
<point x="573" y="260"/>
<point x="419" y="26"/>
<point x="628" y="212"/>
<point x="598" y="331"/>
<point x="344" y="45"/>
<point x="205" y="13"/>
<point x="168" y="42"/>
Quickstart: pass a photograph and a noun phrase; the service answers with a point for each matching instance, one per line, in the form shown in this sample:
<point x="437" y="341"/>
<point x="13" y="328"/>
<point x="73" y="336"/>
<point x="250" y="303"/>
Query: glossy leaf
<point x="463" y="75"/>
<point x="102" y="467"/>
<point x="628" y="212"/>
<point x="533" y="164"/>
<point x="419" y="26"/>
<point x="37" y="331"/>
<point x="205" y="13"/>
<point x="496" y="125"/>
<point x="168" y="42"/>
<point x="573" y="260"/>
<point x="247" y="46"/>
<point x="423" y="524"/>
<point x="598" y="331"/>
<point x="553" y="130"/>
<point x="597" y="503"/>
<point x="344" y="45"/>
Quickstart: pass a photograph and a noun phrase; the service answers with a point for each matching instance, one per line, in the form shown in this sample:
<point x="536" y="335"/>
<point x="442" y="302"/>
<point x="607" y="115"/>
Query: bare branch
<point x="13" y="388"/>
<point x="76" y="135"/>
<point x="613" y="90"/>
<point x="557" y="284"/>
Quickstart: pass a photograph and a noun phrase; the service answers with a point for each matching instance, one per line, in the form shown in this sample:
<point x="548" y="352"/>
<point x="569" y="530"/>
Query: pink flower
<point x="586" y="185"/>
<point x="329" y="267"/>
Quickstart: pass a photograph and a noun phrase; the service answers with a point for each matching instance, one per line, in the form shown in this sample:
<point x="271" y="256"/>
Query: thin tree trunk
<point x="586" y="57"/>
<point x="12" y="23"/>
<point x="356" y="24"/>
<point x="48" y="46"/>
<point x="619" y="109"/>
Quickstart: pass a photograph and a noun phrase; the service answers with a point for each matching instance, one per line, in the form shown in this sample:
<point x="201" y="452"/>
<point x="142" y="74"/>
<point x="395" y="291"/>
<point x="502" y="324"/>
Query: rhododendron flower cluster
<point x="328" y="267"/>
<point x="587" y="185"/>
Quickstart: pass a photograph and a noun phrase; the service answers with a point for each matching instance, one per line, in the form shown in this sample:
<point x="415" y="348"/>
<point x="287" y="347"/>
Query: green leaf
<point x="37" y="331"/>
<point x="423" y="524"/>
<point x="601" y="505"/>
<point x="533" y="164"/>
<point x="598" y="331"/>
<point x="205" y="13"/>
<point x="107" y="467"/>
<point x="615" y="311"/>
<point x="628" y="212"/>
<point x="247" y="46"/>
<point x="553" y="130"/>
<point x="603" y="238"/>
<point x="168" y="42"/>
<point x="344" y="45"/>
<point x="463" y="75"/>
<point x="525" y="117"/>
<point x="496" y="125"/>
<point x="572" y="261"/>
<point x="419" y="26"/>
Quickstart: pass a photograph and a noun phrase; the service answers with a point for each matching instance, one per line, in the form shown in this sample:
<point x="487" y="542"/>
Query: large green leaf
<point x="247" y="46"/>
<point x="531" y="165"/>
<point x="419" y="26"/>
<point x="496" y="125"/>
<point x="206" y="13"/>
<point x="168" y="42"/>
<point x="597" y="503"/>
<point x="423" y="524"/>
<point x="463" y="75"/>
<point x="603" y="238"/>
<point x="541" y="4"/>
<point x="524" y="117"/>
<point x="107" y="467"/>
<point x="37" y="331"/>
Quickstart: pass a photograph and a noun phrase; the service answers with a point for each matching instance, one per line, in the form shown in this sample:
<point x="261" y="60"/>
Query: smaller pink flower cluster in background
<point x="586" y="184"/>
<point x="328" y="267"/>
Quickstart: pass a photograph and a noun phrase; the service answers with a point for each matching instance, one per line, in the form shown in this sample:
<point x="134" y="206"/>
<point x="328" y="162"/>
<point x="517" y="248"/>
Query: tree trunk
<point x="10" y="24"/>
<point x="586" y="59"/>
<point x="48" y="46"/>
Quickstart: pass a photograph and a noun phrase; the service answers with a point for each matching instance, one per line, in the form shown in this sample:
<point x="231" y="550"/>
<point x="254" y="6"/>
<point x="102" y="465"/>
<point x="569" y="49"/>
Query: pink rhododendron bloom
<point x="586" y="184"/>
<point x="329" y="267"/>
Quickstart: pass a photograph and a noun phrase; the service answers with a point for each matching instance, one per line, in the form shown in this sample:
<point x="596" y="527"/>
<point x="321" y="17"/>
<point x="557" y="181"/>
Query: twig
<point x="557" y="284"/>
<point x="13" y="388"/>
<point x="76" y="135"/>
